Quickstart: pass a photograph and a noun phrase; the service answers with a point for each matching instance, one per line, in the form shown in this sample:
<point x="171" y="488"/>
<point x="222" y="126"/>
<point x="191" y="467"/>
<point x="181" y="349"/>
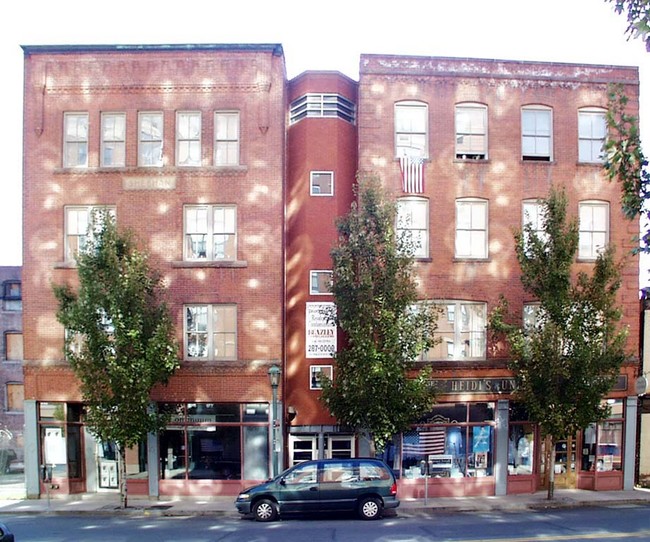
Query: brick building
<point x="11" y="378"/>
<point x="233" y="177"/>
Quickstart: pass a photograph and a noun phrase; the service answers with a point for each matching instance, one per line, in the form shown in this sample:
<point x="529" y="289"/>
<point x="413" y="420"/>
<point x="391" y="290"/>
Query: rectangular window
<point x="188" y="138"/>
<point x="533" y="217"/>
<point x="315" y="373"/>
<point x="226" y="138"/>
<point x="320" y="282"/>
<point x="594" y="229"/>
<point x="323" y="106"/>
<point x="150" y="139"/>
<point x="536" y="133"/>
<point x="210" y="232"/>
<point x="471" y="132"/>
<point x="113" y="151"/>
<point x="411" y="123"/>
<point x="75" y="142"/>
<point x="462" y="328"/>
<point x="12" y="293"/>
<point x="413" y="224"/>
<point x="15" y="397"/>
<point x="211" y="332"/>
<point x="79" y="226"/>
<point x="592" y="130"/>
<point x="321" y="183"/>
<point x="14" y="346"/>
<point x="471" y="229"/>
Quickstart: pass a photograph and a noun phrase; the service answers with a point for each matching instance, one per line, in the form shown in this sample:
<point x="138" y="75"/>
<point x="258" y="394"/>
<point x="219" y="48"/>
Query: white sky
<point x="316" y="36"/>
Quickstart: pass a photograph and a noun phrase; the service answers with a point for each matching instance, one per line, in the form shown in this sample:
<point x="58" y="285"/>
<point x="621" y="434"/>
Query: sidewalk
<point x="108" y="504"/>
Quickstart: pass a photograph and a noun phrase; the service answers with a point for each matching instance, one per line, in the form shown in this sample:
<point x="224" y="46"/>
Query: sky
<point x="315" y="36"/>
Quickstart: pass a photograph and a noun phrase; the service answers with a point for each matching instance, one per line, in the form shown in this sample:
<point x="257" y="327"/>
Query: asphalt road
<point x="613" y="523"/>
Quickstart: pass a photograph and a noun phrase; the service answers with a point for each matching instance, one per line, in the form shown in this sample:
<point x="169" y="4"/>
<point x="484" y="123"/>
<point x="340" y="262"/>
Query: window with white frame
<point x="211" y="332"/>
<point x="226" y="138"/>
<point x="594" y="228"/>
<point x="210" y="232"/>
<point x="321" y="183"/>
<point x="80" y="223"/>
<point x="188" y="138"/>
<point x="592" y="131"/>
<point x="113" y="144"/>
<point x="537" y="133"/>
<point x="462" y="329"/>
<point x="15" y="396"/>
<point x="315" y="373"/>
<point x="13" y="346"/>
<point x="150" y="139"/>
<point x="471" y="228"/>
<point x="75" y="140"/>
<point x="531" y="315"/>
<point x="471" y="132"/>
<point x="533" y="216"/>
<point x="320" y="282"/>
<point x="413" y="224"/>
<point x="411" y="129"/>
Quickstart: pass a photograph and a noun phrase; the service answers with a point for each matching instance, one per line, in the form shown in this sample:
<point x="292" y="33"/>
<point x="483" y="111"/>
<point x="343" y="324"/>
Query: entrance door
<point x="566" y="463"/>
<point x="302" y="448"/>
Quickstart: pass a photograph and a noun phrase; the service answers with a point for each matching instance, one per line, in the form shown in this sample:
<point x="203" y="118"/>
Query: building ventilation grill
<point x="324" y="106"/>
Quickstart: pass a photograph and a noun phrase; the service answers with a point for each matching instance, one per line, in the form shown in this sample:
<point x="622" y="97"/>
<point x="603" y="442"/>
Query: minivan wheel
<point x="370" y="508"/>
<point x="265" y="510"/>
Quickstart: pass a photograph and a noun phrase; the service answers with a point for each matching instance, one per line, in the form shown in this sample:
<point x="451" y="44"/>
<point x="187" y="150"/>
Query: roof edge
<point x="275" y="48"/>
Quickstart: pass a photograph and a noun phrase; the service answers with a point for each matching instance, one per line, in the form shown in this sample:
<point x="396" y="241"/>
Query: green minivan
<point x="364" y="485"/>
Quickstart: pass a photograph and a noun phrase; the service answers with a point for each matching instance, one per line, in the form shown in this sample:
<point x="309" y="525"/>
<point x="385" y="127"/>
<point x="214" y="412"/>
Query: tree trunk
<point x="122" y="476"/>
<point x="551" y="467"/>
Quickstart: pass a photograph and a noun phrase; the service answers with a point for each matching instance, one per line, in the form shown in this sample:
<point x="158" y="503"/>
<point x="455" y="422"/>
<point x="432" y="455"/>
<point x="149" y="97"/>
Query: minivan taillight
<point x="393" y="489"/>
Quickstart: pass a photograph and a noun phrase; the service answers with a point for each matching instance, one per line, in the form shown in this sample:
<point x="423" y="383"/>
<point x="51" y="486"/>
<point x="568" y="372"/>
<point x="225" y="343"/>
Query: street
<point x="596" y="523"/>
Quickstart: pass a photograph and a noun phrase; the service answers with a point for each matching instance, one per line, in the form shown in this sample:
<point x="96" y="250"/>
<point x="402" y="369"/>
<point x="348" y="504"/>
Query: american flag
<point x="412" y="169"/>
<point x="429" y="442"/>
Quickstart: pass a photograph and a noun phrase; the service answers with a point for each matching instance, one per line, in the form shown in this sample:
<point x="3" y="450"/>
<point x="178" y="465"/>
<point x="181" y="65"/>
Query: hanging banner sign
<point x="320" y="330"/>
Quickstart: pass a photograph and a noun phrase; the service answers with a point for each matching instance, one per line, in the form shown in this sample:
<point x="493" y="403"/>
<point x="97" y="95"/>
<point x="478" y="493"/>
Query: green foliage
<point x="119" y="336"/>
<point x="566" y="362"/>
<point x="375" y="389"/>
<point x="638" y="18"/>
<point x="625" y="161"/>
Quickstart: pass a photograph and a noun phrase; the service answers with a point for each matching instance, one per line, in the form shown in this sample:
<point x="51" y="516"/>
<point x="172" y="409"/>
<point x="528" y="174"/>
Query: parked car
<point x="362" y="485"/>
<point x="5" y="534"/>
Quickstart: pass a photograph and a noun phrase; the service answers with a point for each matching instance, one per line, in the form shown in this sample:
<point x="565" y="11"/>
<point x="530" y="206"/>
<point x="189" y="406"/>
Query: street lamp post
<point x="274" y="379"/>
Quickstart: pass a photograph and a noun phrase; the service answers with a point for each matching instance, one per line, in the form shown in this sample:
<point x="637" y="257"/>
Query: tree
<point x="638" y="18"/>
<point x="625" y="161"/>
<point x="568" y="358"/>
<point x="119" y="338"/>
<point x="376" y="389"/>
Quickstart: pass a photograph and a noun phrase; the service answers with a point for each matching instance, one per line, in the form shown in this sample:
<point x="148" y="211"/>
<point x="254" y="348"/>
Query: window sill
<point x="470" y="260"/>
<point x="471" y="160"/>
<point x="65" y="265"/>
<point x="537" y="161"/>
<point x="192" y="264"/>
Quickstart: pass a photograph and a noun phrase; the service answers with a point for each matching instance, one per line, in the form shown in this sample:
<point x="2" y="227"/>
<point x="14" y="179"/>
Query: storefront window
<point x="521" y="447"/>
<point x="602" y="442"/>
<point x="456" y="440"/>
<point x="209" y="441"/>
<point x="61" y="439"/>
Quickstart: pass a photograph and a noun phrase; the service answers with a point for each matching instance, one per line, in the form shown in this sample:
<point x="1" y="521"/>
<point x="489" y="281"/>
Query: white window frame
<point x="474" y="129"/>
<point x="113" y="141"/>
<point x="411" y="120"/>
<point x="151" y="138"/>
<point x="188" y="138"/>
<point x="315" y="188"/>
<point x="537" y="133"/>
<point x="314" y="378"/>
<point x="412" y="220"/>
<point x="316" y="279"/>
<point x="530" y="315"/>
<point x="213" y="228"/>
<point x="75" y="140"/>
<point x="592" y="132"/>
<point x="227" y="140"/>
<point x="72" y="229"/>
<point x="472" y="233"/>
<point x="593" y="238"/>
<point x="532" y="213"/>
<point x="459" y="343"/>
<point x="227" y="337"/>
